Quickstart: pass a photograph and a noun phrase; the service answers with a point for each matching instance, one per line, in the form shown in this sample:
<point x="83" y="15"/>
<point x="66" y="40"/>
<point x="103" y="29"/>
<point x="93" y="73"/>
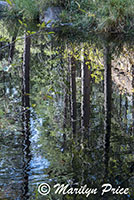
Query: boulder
<point x="3" y="6"/>
<point x="51" y="15"/>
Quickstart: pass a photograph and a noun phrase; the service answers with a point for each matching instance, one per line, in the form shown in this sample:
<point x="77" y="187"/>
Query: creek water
<point x="66" y="113"/>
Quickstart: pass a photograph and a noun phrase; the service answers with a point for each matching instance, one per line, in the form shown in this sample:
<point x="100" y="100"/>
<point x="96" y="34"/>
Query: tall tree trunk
<point x="1" y="51"/>
<point x="66" y="122"/>
<point x="120" y="112"/>
<point x="107" y="102"/>
<point x="133" y="100"/>
<point x="126" y="110"/>
<point x="26" y="113"/>
<point x="26" y="85"/>
<point x="73" y="94"/>
<point x="85" y="91"/>
<point x="65" y="108"/>
<point x="66" y="103"/>
<point x="26" y="72"/>
<point x="12" y="46"/>
<point x="3" y="73"/>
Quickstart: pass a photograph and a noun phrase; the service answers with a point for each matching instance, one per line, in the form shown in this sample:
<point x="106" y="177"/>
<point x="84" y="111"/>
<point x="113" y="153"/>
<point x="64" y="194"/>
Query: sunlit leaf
<point x="33" y="105"/>
<point x="77" y="4"/>
<point x="51" y="32"/>
<point x="82" y="10"/>
<point x="132" y="90"/>
<point x="48" y="22"/>
<point x="43" y="25"/>
<point x="31" y="32"/>
<point x="49" y="97"/>
<point x="9" y="2"/>
<point x="20" y="21"/>
<point x="25" y="24"/>
<point x="3" y="39"/>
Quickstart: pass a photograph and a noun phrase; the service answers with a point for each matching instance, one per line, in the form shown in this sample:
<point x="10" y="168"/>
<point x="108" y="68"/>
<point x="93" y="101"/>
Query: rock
<point x="51" y="15"/>
<point x="3" y="6"/>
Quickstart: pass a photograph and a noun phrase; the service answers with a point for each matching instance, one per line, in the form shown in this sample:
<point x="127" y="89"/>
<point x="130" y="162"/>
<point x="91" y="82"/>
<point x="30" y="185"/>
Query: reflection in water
<point x="26" y="114"/>
<point x="107" y="103"/>
<point x="80" y="87"/>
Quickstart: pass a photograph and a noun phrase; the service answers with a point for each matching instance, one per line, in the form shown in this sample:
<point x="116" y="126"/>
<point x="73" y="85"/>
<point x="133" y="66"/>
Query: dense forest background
<point x="67" y="98"/>
<point x="107" y="16"/>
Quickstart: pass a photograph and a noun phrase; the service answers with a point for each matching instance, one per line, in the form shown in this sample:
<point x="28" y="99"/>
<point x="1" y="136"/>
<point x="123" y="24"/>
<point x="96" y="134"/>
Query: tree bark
<point x="26" y="72"/>
<point x="133" y="100"/>
<point x="120" y="113"/>
<point x="85" y="91"/>
<point x="1" y="51"/>
<point x="73" y="94"/>
<point x="12" y="47"/>
<point x="126" y="110"/>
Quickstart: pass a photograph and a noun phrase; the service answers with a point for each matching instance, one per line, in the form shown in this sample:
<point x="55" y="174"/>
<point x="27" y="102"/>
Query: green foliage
<point x="114" y="15"/>
<point x="48" y="79"/>
<point x="9" y="2"/>
<point x="106" y="16"/>
<point x="26" y="8"/>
